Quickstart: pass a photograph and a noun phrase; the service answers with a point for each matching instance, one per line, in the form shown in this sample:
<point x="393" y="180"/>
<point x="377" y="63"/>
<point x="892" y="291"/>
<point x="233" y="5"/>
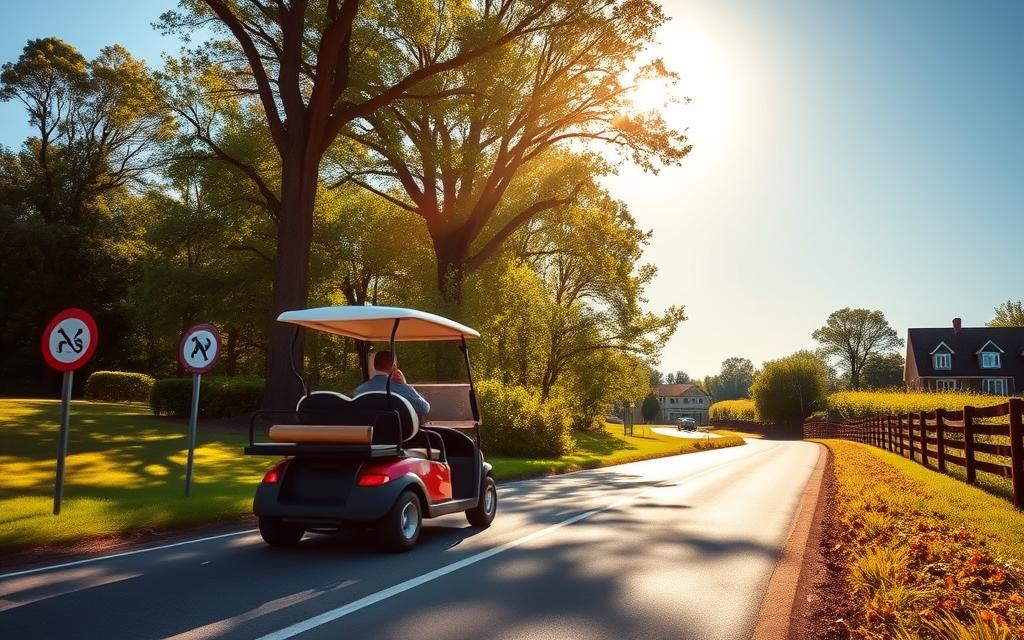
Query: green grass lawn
<point x="126" y="469"/>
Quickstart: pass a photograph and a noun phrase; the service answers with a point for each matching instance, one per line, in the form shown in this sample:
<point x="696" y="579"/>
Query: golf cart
<point x="371" y="459"/>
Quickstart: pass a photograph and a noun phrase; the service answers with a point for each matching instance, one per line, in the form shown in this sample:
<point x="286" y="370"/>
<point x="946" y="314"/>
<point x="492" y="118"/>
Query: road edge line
<point x="775" y="618"/>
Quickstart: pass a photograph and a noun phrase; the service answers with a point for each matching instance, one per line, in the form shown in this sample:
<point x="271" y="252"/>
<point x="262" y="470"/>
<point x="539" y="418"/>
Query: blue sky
<point x="846" y="154"/>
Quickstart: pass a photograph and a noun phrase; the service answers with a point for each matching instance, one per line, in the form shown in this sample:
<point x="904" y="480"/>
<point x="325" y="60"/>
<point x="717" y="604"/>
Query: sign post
<point x="69" y="341"/>
<point x="198" y="353"/>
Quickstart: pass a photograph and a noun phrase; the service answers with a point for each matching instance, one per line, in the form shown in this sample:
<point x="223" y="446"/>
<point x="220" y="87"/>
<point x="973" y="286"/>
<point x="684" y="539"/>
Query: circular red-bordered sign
<point x="200" y="348"/>
<point x="69" y="340"/>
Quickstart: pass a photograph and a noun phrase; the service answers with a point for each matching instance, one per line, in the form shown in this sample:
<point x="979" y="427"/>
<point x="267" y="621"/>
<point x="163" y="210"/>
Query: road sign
<point x="69" y="340"/>
<point x="200" y="348"/>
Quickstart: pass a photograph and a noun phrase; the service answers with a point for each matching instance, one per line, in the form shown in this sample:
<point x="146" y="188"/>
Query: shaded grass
<point x="126" y="470"/>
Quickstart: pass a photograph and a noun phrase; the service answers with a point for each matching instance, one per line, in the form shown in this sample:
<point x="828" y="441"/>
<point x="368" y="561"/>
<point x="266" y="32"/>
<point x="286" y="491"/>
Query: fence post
<point x="969" y="445"/>
<point x="899" y="433"/>
<point x="888" y="430"/>
<point x="1017" y="450"/>
<point x="924" y="440"/>
<point x="940" y="415"/>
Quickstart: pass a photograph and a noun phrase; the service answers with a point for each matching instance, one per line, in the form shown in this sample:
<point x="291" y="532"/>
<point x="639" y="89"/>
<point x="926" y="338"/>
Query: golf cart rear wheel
<point x="400" y="528"/>
<point x="483" y="514"/>
<point x="278" y="534"/>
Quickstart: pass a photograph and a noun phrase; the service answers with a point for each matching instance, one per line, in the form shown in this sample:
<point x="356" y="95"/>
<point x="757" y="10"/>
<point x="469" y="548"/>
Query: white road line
<point x="379" y="596"/>
<point x="124" y="553"/>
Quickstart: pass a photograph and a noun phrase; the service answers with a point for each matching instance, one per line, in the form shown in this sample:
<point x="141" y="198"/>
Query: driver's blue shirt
<point x="379" y="382"/>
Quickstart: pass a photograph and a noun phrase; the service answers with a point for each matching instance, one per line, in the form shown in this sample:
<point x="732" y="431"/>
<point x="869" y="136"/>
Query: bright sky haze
<point x="845" y="154"/>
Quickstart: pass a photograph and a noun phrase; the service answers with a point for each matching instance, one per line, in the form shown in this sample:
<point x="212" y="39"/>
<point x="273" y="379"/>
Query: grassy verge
<point x="125" y="471"/>
<point x="922" y="555"/>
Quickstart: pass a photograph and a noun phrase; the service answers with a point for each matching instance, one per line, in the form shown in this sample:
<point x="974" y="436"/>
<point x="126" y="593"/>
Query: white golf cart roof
<point x="374" y="324"/>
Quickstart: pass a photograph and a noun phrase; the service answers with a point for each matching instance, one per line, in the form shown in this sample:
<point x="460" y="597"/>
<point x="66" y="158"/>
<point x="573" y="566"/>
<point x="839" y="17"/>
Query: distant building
<point x="683" y="401"/>
<point x="983" y="359"/>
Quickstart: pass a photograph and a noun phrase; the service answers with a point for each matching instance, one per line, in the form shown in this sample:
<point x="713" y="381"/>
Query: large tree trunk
<point x="450" y="251"/>
<point x="299" y="175"/>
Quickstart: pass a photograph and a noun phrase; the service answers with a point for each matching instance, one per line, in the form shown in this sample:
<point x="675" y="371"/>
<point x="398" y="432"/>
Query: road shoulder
<point x="791" y="586"/>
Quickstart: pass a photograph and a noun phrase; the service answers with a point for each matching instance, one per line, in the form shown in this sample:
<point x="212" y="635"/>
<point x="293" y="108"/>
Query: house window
<point x="945" y="384"/>
<point x="995" y="386"/>
<point x="990" y="360"/>
<point x="943" y="360"/>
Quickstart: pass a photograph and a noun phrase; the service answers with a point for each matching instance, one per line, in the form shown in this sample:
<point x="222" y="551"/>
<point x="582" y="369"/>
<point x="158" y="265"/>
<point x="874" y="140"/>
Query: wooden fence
<point x="940" y="438"/>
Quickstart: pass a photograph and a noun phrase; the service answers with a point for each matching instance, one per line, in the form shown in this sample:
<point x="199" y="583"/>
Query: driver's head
<point x="384" y="361"/>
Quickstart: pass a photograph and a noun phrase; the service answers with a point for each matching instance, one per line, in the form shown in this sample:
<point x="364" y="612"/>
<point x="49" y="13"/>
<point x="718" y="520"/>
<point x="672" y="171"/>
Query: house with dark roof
<point x="981" y="359"/>
<point x="683" y="401"/>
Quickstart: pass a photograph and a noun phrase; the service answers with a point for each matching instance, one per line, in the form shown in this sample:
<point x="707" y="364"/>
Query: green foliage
<point x="860" y="404"/>
<point x="71" y="223"/>
<point x="516" y="422"/>
<point x="1009" y="314"/>
<point x="733" y="410"/>
<point x="219" y="397"/>
<point x="118" y="386"/>
<point x="734" y="380"/>
<point x="883" y="371"/>
<point x="789" y="389"/>
<point x="850" y="336"/>
<point x="650" y="408"/>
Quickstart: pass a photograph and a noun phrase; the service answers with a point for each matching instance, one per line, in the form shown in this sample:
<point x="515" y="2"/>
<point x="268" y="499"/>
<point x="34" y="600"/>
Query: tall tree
<point x="1009" y="314"/>
<point x="69" y="214"/>
<point x="501" y="124"/>
<point x="313" y="69"/>
<point x="733" y="381"/>
<point x="852" y="335"/>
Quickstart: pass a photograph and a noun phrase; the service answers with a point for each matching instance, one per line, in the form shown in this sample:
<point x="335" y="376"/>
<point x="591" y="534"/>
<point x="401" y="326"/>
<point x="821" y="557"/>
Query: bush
<point x="516" y="422"/>
<point x="860" y="404"/>
<point x="733" y="410"/>
<point x="118" y="386"/>
<point x="219" y="396"/>
<point x="788" y="390"/>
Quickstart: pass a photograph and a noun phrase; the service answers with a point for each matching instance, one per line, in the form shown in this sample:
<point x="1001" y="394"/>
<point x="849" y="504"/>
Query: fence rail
<point x="940" y="438"/>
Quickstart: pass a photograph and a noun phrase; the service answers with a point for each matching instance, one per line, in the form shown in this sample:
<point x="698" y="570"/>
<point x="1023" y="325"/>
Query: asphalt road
<point x="679" y="547"/>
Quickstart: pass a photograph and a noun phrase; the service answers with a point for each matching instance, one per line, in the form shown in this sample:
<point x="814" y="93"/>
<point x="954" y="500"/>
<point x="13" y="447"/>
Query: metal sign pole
<point x="192" y="432"/>
<point x="62" y="438"/>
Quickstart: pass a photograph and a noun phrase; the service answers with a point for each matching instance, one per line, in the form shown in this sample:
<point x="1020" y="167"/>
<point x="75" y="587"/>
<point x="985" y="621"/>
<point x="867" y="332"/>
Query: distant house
<point x="985" y="359"/>
<point x="683" y="401"/>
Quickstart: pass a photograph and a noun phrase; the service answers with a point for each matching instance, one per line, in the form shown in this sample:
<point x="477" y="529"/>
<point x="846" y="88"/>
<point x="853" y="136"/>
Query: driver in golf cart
<point x="384" y="365"/>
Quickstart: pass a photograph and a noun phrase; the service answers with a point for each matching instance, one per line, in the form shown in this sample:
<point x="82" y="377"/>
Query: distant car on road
<point x="612" y="419"/>
<point x="686" y="424"/>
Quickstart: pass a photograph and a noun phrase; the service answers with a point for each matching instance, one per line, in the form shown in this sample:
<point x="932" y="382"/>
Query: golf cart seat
<point x="329" y="417"/>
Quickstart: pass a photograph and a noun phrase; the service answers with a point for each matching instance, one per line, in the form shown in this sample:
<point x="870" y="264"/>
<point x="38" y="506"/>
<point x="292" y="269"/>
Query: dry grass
<point x="923" y="555"/>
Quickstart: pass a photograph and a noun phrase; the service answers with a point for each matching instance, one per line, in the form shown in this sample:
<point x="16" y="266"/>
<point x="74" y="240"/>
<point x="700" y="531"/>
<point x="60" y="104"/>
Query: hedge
<point x="733" y="410"/>
<point x="219" y="396"/>
<point x="851" y="405"/>
<point x="118" y="386"/>
<point x="516" y="422"/>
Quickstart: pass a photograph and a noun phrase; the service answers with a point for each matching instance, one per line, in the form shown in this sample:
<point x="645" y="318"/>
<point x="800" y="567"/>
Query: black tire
<point x="397" y="533"/>
<point x="278" y="534"/>
<point x="482" y="514"/>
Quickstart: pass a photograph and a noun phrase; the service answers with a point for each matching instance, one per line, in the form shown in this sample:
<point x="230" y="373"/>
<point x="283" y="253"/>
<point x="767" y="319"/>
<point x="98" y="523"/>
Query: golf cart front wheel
<point x="483" y="514"/>
<point x="278" y="534"/>
<point x="400" y="528"/>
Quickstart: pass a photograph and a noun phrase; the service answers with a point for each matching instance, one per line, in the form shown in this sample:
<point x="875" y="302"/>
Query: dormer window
<point x="943" y="360"/>
<point x="990" y="356"/>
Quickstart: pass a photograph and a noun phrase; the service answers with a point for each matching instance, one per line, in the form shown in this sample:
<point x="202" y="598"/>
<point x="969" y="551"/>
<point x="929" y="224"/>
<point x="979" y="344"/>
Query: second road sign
<point x="200" y="348"/>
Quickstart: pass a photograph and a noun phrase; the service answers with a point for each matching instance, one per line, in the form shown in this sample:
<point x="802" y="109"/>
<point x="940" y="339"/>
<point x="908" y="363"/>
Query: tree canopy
<point x="852" y="335"/>
<point x="1009" y="314"/>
